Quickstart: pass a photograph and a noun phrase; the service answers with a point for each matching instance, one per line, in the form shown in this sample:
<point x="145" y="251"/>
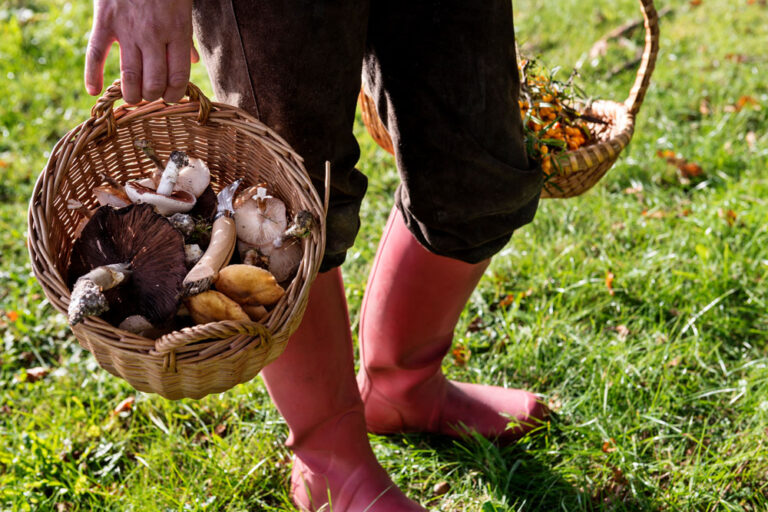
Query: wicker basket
<point x="580" y="169"/>
<point x="202" y="359"/>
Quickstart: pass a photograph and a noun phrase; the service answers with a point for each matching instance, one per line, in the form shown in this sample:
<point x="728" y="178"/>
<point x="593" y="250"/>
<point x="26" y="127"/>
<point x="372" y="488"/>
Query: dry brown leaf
<point x="441" y="488"/>
<point x="36" y="373"/>
<point x="730" y="216"/>
<point x="609" y="446"/>
<point x="690" y="169"/>
<point x="656" y="214"/>
<point x="220" y="429"/>
<point x="461" y="355"/>
<point x="125" y="405"/>
<point x="609" y="277"/>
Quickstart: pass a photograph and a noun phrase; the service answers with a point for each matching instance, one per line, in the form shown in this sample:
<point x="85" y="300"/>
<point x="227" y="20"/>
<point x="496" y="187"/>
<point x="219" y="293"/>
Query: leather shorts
<point x="444" y="77"/>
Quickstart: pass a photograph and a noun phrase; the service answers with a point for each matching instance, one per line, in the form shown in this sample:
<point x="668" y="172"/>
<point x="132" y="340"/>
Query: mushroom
<point x="283" y="255"/>
<point x="194" y="178"/>
<point x="177" y="202"/>
<point x="87" y="298"/>
<point x="260" y="217"/>
<point x="212" y="306"/>
<point x="111" y="194"/>
<point x="220" y="249"/>
<point x="146" y="242"/>
<point x="246" y="284"/>
<point x="163" y="197"/>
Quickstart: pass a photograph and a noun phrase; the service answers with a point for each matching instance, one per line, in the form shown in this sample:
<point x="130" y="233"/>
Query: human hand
<point x="155" y="47"/>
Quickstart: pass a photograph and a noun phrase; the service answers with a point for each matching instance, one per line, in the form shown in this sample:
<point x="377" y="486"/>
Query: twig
<point x="600" y="47"/>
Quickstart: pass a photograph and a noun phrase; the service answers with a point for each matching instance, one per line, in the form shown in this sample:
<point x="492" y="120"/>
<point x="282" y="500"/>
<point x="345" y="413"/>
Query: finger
<point x="130" y="73"/>
<point x="95" y="57"/>
<point x="178" y="70"/>
<point x="194" y="56"/>
<point x="154" y="73"/>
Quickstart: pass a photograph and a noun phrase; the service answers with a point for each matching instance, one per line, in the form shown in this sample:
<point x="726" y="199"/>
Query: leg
<point x="451" y="108"/>
<point x="313" y="385"/>
<point x="296" y="65"/>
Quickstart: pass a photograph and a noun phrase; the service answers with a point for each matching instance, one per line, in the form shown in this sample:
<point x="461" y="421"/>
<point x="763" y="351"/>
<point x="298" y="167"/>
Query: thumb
<point x="194" y="56"/>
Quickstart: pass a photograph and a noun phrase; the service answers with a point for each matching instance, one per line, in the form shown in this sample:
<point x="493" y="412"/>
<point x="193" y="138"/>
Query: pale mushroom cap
<point x="178" y="202"/>
<point x="107" y="195"/>
<point x="194" y="178"/>
<point x="258" y="227"/>
<point x="285" y="260"/>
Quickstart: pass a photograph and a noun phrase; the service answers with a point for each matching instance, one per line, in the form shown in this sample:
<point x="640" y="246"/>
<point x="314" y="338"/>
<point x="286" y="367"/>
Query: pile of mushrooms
<point x="160" y="253"/>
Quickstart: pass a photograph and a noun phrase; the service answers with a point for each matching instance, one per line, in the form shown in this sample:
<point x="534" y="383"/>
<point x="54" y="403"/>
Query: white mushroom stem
<point x="216" y="256"/>
<point x="176" y="162"/>
<point x="87" y="298"/>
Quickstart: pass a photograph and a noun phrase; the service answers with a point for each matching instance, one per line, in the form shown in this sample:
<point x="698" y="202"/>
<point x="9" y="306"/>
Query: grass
<point x="659" y="382"/>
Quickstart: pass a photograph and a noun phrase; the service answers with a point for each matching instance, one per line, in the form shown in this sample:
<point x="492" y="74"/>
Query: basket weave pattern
<point x="202" y="359"/>
<point x="579" y="169"/>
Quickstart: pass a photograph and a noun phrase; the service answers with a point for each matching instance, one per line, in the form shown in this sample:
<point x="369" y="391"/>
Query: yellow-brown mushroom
<point x="213" y="306"/>
<point x="246" y="284"/>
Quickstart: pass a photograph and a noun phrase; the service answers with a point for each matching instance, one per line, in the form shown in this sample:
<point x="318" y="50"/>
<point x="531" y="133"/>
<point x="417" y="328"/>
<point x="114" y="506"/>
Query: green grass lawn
<point x="659" y="381"/>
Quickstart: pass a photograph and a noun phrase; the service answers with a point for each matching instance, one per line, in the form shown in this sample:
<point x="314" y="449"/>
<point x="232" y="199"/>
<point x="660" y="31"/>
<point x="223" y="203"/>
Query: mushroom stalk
<point x="176" y="162"/>
<point x="302" y="225"/>
<point x="220" y="249"/>
<point x="87" y="298"/>
<point x="149" y="152"/>
<point x="218" y="254"/>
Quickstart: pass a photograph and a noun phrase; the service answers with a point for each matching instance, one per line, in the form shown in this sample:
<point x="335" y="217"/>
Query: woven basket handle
<point x="103" y="107"/>
<point x="215" y="330"/>
<point x="648" y="62"/>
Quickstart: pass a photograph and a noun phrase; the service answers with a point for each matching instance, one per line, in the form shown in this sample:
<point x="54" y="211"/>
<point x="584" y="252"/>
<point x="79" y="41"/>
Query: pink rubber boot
<point x="313" y="386"/>
<point x="411" y="306"/>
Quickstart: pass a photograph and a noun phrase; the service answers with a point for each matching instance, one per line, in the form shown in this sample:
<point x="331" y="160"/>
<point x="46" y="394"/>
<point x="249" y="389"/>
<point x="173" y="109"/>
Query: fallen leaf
<point x="730" y="216"/>
<point x="554" y="403"/>
<point x="441" y="488"/>
<point x="666" y="154"/>
<point x="460" y="355"/>
<point x="738" y="58"/>
<point x="690" y="169"/>
<point x="656" y="214"/>
<point x="36" y="373"/>
<point x="751" y="139"/>
<point x="12" y="316"/>
<point x="220" y="429"/>
<point x="609" y="277"/>
<point x="704" y="107"/>
<point x="685" y="212"/>
<point x="507" y="301"/>
<point x="609" y="446"/>
<point x="3" y="163"/>
<point x="741" y="103"/>
<point x="125" y="405"/>
<point x="5" y="410"/>
<point x="475" y="325"/>
<point x="695" y="3"/>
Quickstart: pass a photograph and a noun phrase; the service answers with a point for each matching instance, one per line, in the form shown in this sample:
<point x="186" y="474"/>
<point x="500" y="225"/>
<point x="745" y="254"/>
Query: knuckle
<point x="130" y="76"/>
<point x="178" y="80"/>
<point x="153" y="89"/>
<point x="95" y="53"/>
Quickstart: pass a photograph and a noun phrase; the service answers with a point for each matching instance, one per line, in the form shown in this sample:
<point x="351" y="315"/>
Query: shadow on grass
<point x="522" y="476"/>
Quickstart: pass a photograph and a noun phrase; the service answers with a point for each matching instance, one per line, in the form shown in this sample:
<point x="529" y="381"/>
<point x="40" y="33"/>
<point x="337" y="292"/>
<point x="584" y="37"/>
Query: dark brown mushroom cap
<point x="205" y="207"/>
<point x="155" y="250"/>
